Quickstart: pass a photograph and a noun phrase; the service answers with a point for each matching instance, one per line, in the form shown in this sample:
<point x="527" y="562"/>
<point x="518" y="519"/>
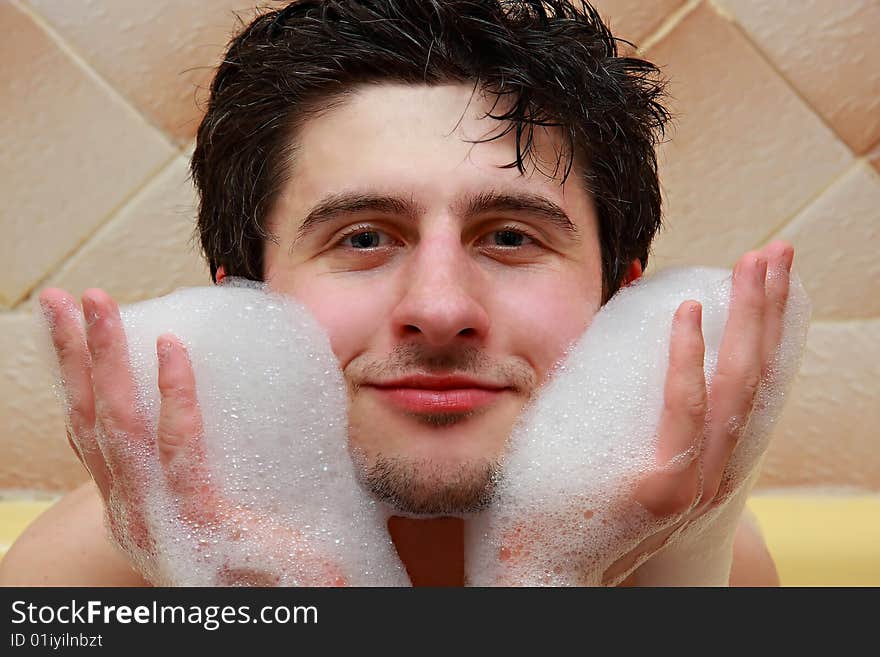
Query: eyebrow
<point x="525" y="202"/>
<point x="334" y="205"/>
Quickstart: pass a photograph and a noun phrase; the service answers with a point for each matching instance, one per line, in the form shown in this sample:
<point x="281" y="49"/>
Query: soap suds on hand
<point x="274" y="407"/>
<point x="564" y="510"/>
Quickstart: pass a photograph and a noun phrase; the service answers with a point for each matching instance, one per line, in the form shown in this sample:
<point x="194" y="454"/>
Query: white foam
<point x="274" y="408"/>
<point x="274" y="405"/>
<point x="564" y="509"/>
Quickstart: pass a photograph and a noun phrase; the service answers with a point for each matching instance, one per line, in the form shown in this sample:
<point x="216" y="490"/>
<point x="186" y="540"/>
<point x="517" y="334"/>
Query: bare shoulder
<point x="753" y="564"/>
<point x="67" y="545"/>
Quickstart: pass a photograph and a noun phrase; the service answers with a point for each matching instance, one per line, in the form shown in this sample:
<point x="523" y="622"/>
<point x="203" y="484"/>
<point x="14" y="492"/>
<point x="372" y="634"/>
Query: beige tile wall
<point x="778" y="134"/>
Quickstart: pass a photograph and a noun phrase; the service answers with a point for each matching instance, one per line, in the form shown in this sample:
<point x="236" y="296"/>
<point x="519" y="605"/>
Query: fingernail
<point x="90" y="311"/>
<point x="696" y="314"/>
<point x="788" y="258"/>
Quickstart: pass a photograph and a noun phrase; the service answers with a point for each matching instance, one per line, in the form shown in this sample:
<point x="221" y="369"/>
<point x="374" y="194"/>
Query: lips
<point x="422" y="394"/>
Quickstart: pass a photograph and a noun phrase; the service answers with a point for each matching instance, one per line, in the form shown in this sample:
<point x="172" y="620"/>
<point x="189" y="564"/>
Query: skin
<point x="496" y="295"/>
<point x="436" y="295"/>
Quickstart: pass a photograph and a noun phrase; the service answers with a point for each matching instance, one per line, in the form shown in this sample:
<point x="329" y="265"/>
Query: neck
<point x="432" y="549"/>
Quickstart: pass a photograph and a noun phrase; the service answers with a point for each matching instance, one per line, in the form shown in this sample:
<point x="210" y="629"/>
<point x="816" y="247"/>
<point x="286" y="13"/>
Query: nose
<point x="440" y="298"/>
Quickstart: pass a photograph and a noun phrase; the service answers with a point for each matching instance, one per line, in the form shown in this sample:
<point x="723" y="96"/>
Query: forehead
<point x="416" y="141"/>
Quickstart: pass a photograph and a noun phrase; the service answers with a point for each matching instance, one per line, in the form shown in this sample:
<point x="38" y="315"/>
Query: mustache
<point x="408" y="359"/>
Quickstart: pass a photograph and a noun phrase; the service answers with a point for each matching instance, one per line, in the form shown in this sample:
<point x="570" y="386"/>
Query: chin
<point x="431" y="464"/>
<point x="424" y="487"/>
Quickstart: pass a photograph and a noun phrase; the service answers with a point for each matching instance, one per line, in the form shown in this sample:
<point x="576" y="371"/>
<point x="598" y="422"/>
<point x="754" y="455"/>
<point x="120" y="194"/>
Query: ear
<point x="220" y="275"/>
<point x="633" y="273"/>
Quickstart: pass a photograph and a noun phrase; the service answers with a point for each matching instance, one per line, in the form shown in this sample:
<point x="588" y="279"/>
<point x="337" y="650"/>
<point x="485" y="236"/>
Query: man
<point x="453" y="189"/>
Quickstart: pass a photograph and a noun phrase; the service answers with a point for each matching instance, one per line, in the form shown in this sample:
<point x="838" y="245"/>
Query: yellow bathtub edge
<point x="15" y="516"/>
<point x="822" y="540"/>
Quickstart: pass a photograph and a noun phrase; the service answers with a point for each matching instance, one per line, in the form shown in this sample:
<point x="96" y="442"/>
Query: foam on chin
<point x="274" y="405"/>
<point x="576" y="454"/>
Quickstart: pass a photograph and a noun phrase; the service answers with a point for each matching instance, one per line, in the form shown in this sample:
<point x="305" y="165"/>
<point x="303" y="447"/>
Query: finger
<point x="779" y="255"/>
<point x="74" y="364"/>
<point x="733" y="388"/>
<point x="74" y="361"/>
<point x="673" y="486"/>
<point x="181" y="432"/>
<point x="126" y="443"/>
<point x="180" y="420"/>
<point x="113" y="384"/>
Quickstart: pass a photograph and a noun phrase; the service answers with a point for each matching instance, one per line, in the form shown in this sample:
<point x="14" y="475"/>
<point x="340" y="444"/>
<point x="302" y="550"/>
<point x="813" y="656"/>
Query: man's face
<point x="422" y="257"/>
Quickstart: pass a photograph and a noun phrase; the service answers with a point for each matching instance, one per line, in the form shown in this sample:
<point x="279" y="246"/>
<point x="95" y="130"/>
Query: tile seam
<point x="667" y="25"/>
<point x="108" y="220"/>
<point x="82" y="63"/>
<point x="727" y="15"/>
<point x="675" y="19"/>
<point x="819" y="192"/>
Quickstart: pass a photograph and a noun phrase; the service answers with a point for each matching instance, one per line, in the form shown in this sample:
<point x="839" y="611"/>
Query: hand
<point x="699" y="428"/>
<point x="112" y="439"/>
<point x="697" y="432"/>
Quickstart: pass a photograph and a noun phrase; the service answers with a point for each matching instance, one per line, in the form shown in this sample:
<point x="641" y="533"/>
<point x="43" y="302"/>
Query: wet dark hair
<point x="553" y="61"/>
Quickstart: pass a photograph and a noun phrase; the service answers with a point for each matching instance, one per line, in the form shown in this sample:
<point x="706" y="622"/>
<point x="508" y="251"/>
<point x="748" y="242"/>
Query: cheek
<point x="543" y="329"/>
<point x="349" y="317"/>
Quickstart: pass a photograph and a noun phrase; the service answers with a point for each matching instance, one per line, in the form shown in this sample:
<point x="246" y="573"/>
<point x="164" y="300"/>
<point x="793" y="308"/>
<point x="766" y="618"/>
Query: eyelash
<point x="357" y="230"/>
